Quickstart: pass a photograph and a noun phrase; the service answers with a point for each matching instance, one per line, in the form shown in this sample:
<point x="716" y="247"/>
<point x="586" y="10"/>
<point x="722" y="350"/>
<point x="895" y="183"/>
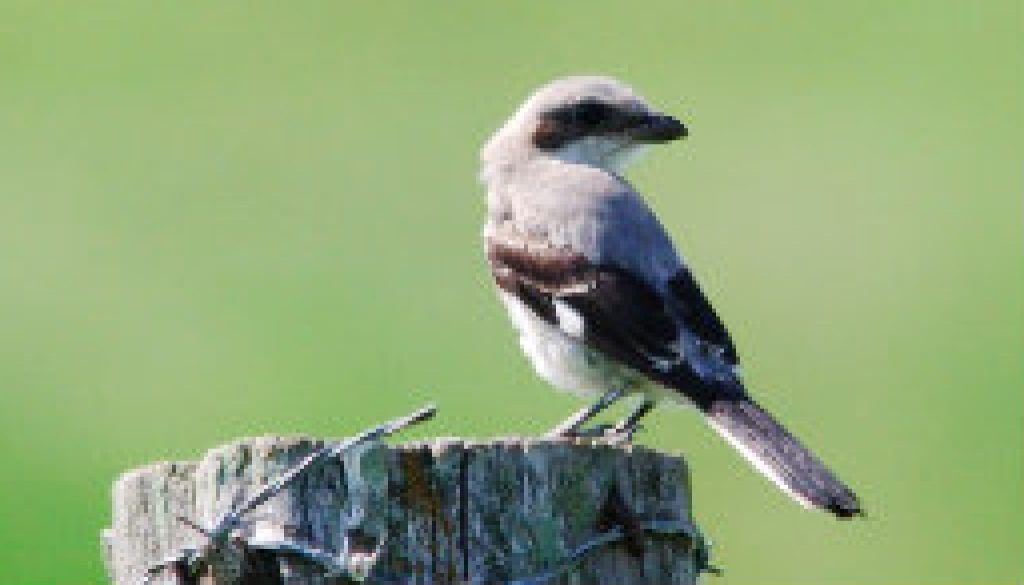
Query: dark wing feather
<point x="698" y="314"/>
<point x="625" y="318"/>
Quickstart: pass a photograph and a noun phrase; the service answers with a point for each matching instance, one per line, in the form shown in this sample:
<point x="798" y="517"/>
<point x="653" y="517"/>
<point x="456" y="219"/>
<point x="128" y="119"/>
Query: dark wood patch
<point x="616" y="513"/>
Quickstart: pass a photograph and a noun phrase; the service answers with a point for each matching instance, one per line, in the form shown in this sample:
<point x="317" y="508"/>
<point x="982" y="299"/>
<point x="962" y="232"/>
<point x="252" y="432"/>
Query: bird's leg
<point x="625" y="429"/>
<point x="570" y="427"/>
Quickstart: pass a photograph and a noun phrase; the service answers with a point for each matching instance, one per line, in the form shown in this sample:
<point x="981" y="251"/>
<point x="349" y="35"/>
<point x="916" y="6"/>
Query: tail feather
<point x="780" y="456"/>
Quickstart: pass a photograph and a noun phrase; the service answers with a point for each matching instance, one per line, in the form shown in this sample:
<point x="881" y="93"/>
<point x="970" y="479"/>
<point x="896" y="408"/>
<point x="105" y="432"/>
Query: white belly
<point x="562" y="360"/>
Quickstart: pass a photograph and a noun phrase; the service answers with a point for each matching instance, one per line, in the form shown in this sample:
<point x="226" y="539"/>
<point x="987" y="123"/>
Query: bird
<point x="602" y="301"/>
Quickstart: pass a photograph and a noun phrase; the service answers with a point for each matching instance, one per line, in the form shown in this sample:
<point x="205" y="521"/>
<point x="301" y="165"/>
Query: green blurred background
<point x="224" y="219"/>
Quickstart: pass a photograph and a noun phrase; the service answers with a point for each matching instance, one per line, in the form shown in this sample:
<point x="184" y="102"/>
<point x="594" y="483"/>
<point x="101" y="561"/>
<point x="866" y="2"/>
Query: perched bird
<point x="602" y="301"/>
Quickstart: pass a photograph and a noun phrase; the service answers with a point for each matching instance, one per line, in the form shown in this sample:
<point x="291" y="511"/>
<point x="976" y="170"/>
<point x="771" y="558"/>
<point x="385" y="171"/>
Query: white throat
<point x="611" y="155"/>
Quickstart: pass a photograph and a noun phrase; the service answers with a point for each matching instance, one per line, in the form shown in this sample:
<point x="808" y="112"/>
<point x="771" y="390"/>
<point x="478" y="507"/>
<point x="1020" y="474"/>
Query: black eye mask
<point x="587" y="117"/>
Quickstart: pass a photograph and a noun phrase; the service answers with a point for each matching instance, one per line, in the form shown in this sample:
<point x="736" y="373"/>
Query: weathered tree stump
<point x="444" y="511"/>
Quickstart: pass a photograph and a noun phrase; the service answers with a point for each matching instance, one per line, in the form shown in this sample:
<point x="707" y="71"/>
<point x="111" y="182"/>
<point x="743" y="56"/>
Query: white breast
<point x="558" y="353"/>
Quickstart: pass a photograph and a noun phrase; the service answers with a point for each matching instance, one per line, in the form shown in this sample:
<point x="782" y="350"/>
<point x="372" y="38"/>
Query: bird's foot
<point x="603" y="432"/>
<point x="623" y="436"/>
<point x="573" y="426"/>
<point x="621" y="433"/>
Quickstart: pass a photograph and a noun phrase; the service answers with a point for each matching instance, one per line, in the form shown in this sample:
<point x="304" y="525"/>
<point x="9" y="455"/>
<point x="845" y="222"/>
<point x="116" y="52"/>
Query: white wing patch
<point x="569" y="319"/>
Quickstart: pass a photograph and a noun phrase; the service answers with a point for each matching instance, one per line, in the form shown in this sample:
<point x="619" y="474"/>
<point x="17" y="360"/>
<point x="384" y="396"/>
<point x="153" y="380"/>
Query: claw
<point x="617" y="436"/>
<point x="630" y="425"/>
<point x="573" y="426"/>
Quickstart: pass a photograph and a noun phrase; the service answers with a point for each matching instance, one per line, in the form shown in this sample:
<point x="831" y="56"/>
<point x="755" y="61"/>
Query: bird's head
<point x="596" y="121"/>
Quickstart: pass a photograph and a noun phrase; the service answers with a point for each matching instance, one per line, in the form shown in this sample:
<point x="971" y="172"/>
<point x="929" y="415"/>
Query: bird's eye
<point x="590" y="113"/>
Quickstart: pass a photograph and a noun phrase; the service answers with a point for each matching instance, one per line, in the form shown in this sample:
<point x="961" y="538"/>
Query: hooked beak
<point x="656" y="128"/>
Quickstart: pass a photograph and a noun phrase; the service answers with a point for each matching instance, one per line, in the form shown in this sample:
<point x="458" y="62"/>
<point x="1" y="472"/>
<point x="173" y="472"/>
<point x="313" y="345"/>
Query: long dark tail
<point x="780" y="456"/>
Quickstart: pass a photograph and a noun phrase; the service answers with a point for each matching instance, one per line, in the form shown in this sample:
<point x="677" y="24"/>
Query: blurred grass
<point x="250" y="218"/>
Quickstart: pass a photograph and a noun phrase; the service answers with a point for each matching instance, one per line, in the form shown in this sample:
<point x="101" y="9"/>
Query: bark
<point x="443" y="511"/>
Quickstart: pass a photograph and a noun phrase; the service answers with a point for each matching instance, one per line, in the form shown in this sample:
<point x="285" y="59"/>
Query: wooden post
<point x="443" y="511"/>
